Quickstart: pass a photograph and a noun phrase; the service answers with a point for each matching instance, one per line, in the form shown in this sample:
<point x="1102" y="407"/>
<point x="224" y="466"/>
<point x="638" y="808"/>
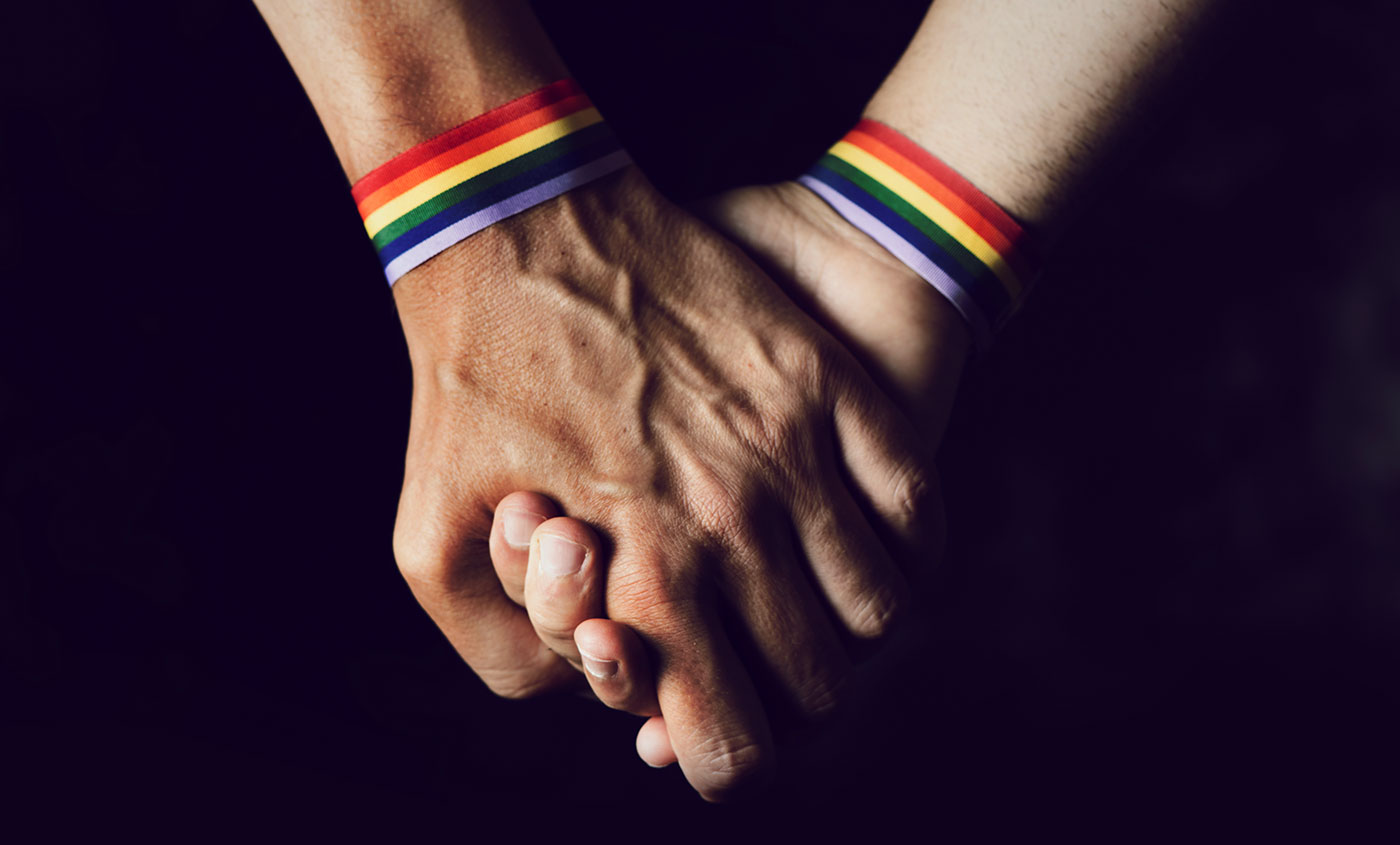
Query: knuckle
<point x="774" y="425"/>
<point x="436" y="568"/>
<point x="802" y="358"/>
<point x="875" y="614"/>
<point x="650" y="602"/>
<point x="728" y="769"/>
<point x="822" y="696"/>
<point x="422" y="559"/>
<point x="714" y="499"/>
<point x="553" y="629"/>
<point x="607" y="691"/>
<point x="725" y="514"/>
<point x="621" y="695"/>
<point x="788" y="439"/>
<point x="725" y="518"/>
<point x="913" y="495"/>
<point x="557" y="607"/>
<point x="431" y="544"/>
<point x="514" y="684"/>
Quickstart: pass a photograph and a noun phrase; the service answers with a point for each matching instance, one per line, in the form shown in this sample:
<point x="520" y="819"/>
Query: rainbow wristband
<point x="930" y="218"/>
<point x="505" y="161"/>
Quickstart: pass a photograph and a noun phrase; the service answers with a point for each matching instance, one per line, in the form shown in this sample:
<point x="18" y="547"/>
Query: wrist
<point x="473" y="288"/>
<point x="917" y="344"/>
<point x="927" y="307"/>
<point x="482" y="172"/>
<point x="929" y="217"/>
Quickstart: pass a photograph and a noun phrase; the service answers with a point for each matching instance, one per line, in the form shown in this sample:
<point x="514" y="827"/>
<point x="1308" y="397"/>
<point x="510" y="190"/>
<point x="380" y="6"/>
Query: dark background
<point x="1173" y="583"/>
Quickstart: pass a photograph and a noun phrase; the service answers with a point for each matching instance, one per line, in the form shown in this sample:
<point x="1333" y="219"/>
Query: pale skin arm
<point x="1025" y="98"/>
<point x="1028" y="100"/>
<point x="610" y="350"/>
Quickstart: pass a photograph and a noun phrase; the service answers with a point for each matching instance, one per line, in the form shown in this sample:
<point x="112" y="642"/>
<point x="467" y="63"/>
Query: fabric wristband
<point x="445" y="189"/>
<point x="929" y="217"/>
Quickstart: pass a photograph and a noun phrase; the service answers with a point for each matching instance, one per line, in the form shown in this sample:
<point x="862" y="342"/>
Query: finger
<point x="714" y="721"/>
<point x="787" y="624"/>
<point x="616" y="665"/>
<point x="446" y="563"/>
<point x="865" y="588"/>
<point x="891" y="472"/>
<point x="654" y="744"/>
<point x="563" y="583"/>
<point x="512" y="523"/>
<point x="932" y="535"/>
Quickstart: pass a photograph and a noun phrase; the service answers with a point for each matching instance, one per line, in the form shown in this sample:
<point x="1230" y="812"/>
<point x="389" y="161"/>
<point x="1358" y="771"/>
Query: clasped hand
<point x="759" y="498"/>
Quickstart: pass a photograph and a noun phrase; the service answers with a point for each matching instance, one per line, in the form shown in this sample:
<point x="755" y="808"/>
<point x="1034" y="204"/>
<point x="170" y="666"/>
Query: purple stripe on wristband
<point x="901" y="249"/>
<point x="468" y="226"/>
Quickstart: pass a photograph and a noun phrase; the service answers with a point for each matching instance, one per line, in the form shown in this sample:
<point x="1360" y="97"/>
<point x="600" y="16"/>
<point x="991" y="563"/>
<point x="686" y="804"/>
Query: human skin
<point x="608" y="349"/>
<point x="907" y="336"/>
<point x="1028" y="99"/>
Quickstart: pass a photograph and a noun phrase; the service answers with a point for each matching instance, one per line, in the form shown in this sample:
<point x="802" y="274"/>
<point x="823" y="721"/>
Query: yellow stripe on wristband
<point x="931" y="208"/>
<point x="456" y="175"/>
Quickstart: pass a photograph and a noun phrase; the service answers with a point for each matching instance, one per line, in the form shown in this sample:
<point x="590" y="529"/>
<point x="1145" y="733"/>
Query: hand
<point x="612" y="352"/>
<point x="906" y="333"/>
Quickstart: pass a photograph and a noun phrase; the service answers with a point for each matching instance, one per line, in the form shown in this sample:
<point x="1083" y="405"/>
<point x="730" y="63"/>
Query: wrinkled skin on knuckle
<point x="552" y="629"/>
<point x="436" y="547"/>
<point x="650" y="600"/>
<point x="788" y="454"/>
<point x="423" y="560"/>
<point x="766" y="422"/>
<point x="725" y="769"/>
<point x="555" y="615"/>
<point x="514" y="684"/>
<point x="438" y="518"/>
<point x="726" y="495"/>
<point x="915" y="497"/>
<point x="821" y="693"/>
<point x="445" y="572"/>
<point x="712" y="490"/>
<point x="556" y="604"/>
<point x="806" y="360"/>
<point x="875" y="614"/>
<point x="725" y="521"/>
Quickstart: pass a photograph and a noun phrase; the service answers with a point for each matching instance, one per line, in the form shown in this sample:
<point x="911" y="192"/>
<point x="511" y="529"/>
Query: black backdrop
<point x="1173" y="583"/>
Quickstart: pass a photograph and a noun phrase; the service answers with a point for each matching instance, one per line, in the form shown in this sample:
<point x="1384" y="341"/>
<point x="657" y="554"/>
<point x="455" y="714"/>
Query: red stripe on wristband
<point x="452" y="138"/>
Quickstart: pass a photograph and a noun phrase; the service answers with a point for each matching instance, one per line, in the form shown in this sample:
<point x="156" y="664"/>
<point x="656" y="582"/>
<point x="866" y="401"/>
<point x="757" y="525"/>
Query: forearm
<point x="386" y="76"/>
<point x="1024" y="97"/>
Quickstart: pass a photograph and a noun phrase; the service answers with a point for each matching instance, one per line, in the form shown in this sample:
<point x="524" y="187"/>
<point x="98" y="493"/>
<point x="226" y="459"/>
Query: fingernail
<point x="517" y="526"/>
<point x="601" y="669"/>
<point x="560" y="557"/>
